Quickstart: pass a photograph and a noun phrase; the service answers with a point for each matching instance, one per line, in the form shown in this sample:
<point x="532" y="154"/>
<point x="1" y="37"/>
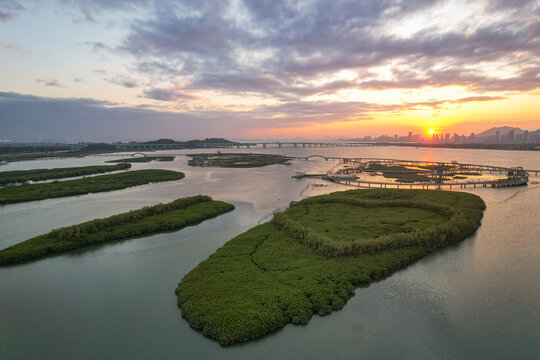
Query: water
<point x="479" y="299"/>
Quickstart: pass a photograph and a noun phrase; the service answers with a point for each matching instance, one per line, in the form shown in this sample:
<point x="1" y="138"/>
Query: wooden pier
<point x="438" y="186"/>
<point x="516" y="176"/>
<point x="396" y="162"/>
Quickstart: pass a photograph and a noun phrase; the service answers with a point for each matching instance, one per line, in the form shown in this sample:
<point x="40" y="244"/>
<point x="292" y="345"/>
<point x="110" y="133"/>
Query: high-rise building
<point x="498" y="137"/>
<point x="511" y="136"/>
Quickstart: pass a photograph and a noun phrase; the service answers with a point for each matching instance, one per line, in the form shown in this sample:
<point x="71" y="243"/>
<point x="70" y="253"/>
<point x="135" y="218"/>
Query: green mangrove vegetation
<point x="143" y="159"/>
<point x="19" y="176"/>
<point x="400" y="173"/>
<point x="419" y="173"/>
<point x="310" y="258"/>
<point x="148" y="220"/>
<point x="94" y="184"/>
<point x="236" y="160"/>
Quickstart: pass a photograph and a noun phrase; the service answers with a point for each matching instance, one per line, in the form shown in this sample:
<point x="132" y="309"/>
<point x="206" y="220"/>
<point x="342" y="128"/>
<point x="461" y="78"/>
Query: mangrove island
<point x="93" y="184"/>
<point x="236" y="160"/>
<point x="148" y="220"/>
<point x="20" y="176"/>
<point x="310" y="258"/>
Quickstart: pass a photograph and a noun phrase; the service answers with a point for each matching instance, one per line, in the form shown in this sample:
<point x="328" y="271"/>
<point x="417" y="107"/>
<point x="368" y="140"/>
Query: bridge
<point x="398" y="185"/>
<point x="238" y="145"/>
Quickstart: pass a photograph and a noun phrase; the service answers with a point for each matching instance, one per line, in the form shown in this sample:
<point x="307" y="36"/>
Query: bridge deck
<point x="462" y="166"/>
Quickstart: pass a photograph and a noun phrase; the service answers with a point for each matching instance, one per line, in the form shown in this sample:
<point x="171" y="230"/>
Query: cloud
<point x="13" y="47"/>
<point x="9" y="10"/>
<point x="122" y="80"/>
<point x="281" y="48"/>
<point x="50" y="82"/>
<point x="478" y="98"/>
<point x="31" y="118"/>
<point x="167" y="94"/>
<point x="91" y="10"/>
<point x="97" y="46"/>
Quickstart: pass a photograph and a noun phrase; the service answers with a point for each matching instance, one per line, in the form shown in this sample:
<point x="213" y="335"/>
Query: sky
<point x="119" y="70"/>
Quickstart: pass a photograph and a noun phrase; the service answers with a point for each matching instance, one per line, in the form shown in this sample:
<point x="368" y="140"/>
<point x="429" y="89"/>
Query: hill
<point x="503" y="130"/>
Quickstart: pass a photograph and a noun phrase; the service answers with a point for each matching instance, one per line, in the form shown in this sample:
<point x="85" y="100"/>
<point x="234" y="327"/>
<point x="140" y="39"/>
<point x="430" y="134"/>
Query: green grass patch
<point x="19" y="176"/>
<point x="344" y="222"/>
<point x="142" y="159"/>
<point x="148" y="220"/>
<point x="94" y="184"/>
<point x="400" y="173"/>
<point x="279" y="272"/>
<point x="236" y="160"/>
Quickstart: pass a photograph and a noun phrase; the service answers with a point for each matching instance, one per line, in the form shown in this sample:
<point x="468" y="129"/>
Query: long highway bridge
<point x="238" y="145"/>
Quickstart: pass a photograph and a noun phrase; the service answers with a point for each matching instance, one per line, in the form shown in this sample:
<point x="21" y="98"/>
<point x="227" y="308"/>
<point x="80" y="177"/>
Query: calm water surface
<point x="479" y="299"/>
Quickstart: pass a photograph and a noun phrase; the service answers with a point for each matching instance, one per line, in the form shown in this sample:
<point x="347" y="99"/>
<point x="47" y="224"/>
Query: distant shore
<point x="522" y="147"/>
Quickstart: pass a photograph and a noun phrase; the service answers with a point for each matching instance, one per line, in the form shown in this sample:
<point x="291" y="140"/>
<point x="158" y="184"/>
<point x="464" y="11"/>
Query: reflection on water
<point x="478" y="299"/>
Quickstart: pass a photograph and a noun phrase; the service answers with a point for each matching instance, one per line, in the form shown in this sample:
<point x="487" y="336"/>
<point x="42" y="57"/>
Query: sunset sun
<point x="431" y="131"/>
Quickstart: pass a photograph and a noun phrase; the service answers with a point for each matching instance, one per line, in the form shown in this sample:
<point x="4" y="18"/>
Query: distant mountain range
<point x="504" y="132"/>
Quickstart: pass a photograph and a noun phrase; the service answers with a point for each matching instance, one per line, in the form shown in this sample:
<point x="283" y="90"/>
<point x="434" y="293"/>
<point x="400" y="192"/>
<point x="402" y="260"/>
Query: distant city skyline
<point x="119" y="70"/>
